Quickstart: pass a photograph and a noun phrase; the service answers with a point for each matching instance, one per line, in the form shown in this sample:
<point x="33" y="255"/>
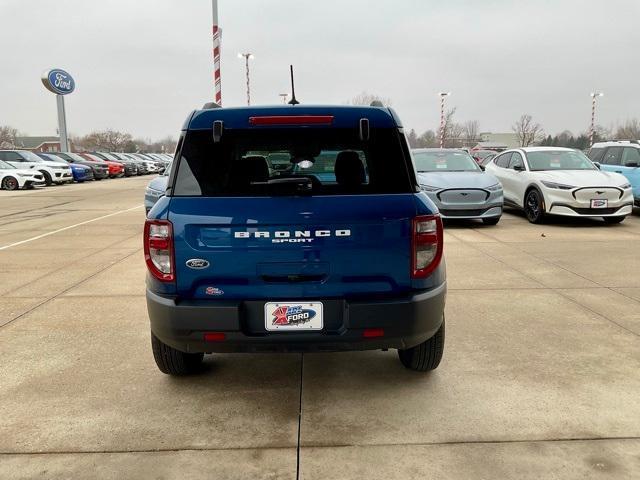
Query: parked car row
<point x="26" y="169"/>
<point x="540" y="181"/>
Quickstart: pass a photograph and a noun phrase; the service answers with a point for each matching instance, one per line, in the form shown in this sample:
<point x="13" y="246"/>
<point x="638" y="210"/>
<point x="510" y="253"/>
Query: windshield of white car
<point x="30" y="156"/>
<point x="5" y="165"/>
<point x="445" y="161"/>
<point x="559" y="160"/>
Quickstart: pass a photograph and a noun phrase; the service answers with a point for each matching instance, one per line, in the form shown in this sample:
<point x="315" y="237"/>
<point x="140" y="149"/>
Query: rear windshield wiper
<point x="297" y="185"/>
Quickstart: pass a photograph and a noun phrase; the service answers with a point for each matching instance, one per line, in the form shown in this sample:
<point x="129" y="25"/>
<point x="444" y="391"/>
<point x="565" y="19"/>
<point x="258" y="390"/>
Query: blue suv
<point x="620" y="156"/>
<point x="294" y="228"/>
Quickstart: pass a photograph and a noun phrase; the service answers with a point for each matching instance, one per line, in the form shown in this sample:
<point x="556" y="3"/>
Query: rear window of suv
<point x="310" y="161"/>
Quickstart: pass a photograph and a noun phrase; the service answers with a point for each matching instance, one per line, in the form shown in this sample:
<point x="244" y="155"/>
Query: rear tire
<point x="613" y="220"/>
<point x="10" y="183"/>
<point x="172" y="361"/>
<point x="491" y="221"/>
<point x="425" y="356"/>
<point x="534" y="206"/>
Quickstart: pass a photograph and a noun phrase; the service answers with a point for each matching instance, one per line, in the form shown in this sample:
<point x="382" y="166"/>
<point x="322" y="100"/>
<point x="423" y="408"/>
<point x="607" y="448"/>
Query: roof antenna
<point x="293" y="100"/>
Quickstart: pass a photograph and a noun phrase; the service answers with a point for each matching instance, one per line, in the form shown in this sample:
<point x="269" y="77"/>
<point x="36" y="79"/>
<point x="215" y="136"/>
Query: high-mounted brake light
<point x="158" y="249"/>
<point x="426" y="245"/>
<point x="292" y="120"/>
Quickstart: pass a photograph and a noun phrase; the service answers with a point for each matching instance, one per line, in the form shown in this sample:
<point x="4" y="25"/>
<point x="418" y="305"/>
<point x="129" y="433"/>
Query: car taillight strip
<point x="292" y="120"/>
<point x="426" y="245"/>
<point x="158" y="249"/>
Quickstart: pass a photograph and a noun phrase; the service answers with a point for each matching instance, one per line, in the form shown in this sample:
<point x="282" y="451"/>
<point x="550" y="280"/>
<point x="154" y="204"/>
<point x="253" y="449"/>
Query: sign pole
<point x="61" y="83"/>
<point x="62" y="124"/>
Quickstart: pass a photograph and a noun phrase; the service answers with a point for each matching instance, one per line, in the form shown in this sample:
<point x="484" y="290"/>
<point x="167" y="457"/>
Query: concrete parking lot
<point x="540" y="378"/>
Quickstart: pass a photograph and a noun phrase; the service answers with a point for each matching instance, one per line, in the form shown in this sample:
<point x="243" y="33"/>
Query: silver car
<point x="457" y="185"/>
<point x="156" y="188"/>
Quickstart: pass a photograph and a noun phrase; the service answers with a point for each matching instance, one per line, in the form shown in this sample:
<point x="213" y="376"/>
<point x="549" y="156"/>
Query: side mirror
<point x="631" y="164"/>
<point x="518" y="168"/>
<point x="597" y="164"/>
<point x="482" y="167"/>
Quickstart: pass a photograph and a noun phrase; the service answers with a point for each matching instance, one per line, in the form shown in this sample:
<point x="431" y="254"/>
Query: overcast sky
<point x="142" y="65"/>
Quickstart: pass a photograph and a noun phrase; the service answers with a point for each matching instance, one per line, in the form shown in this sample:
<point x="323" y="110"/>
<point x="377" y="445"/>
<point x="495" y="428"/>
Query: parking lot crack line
<point x="47" y="300"/>
<point x="78" y="261"/>
<point x="311" y="445"/>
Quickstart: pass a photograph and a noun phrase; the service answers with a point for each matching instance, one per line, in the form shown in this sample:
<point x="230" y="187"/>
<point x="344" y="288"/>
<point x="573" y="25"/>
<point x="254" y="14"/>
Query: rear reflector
<point x="373" y="333"/>
<point x="214" y="337"/>
<point x="292" y="120"/>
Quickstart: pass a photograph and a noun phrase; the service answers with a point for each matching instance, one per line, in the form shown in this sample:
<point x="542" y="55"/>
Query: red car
<point x="115" y="169"/>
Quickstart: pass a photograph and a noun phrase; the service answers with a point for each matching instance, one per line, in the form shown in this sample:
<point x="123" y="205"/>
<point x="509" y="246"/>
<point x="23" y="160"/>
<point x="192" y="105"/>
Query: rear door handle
<point x="618" y="171"/>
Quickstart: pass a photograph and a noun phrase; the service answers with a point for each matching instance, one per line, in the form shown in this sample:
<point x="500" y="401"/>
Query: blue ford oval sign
<point x="58" y="81"/>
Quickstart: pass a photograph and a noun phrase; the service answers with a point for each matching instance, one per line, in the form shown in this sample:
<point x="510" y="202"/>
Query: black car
<point x="100" y="170"/>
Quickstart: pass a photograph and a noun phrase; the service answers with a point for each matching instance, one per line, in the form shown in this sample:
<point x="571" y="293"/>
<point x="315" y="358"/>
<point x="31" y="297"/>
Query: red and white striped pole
<point x="442" y="119"/>
<point x="216" y="54"/>
<point x="592" y="130"/>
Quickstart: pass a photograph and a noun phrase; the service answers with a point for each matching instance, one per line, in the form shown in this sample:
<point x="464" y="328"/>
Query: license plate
<point x="293" y="316"/>
<point x="599" y="203"/>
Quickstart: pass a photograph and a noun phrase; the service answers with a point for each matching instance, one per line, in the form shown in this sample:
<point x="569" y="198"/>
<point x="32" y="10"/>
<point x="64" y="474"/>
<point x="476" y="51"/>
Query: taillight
<point x="426" y="245"/>
<point x="158" y="249"/>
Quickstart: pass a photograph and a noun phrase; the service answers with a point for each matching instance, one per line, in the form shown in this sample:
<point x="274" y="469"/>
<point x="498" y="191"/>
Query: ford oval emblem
<point x="197" y="263"/>
<point x="58" y="81"/>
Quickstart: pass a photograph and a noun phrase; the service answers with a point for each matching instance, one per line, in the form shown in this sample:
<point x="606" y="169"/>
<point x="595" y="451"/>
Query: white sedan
<point x="560" y="181"/>
<point x="12" y="178"/>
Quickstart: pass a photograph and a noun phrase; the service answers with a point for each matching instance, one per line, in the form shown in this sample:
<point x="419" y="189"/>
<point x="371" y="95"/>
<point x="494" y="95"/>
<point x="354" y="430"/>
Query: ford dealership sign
<point x="58" y="81"/>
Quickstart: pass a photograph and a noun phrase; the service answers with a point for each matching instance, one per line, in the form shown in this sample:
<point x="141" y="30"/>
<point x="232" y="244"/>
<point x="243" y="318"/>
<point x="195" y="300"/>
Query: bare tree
<point x="8" y="136"/>
<point x="471" y="132"/>
<point x="366" y="98"/>
<point x="527" y="131"/>
<point x="452" y="132"/>
<point x="629" y="131"/>
<point x="427" y="140"/>
<point x="109" y="140"/>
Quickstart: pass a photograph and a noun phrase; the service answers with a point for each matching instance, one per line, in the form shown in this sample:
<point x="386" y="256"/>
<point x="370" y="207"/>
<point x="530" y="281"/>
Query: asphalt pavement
<point x="540" y="377"/>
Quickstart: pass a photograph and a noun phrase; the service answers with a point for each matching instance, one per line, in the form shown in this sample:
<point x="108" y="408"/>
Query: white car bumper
<point x="589" y="202"/>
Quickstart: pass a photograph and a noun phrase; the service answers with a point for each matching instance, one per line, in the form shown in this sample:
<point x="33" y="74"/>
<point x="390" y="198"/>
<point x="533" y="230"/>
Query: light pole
<point x="247" y="56"/>
<point x="217" y="31"/>
<point x="592" y="130"/>
<point x="443" y="95"/>
<point x="284" y="97"/>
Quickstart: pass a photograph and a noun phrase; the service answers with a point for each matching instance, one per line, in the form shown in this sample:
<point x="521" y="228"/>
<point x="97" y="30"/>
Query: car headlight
<point x="494" y="188"/>
<point x="429" y="188"/>
<point x="626" y="186"/>
<point x="559" y="186"/>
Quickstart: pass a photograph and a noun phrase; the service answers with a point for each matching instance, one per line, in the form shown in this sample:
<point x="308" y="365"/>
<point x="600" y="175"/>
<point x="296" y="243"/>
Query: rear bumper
<point x="406" y="321"/>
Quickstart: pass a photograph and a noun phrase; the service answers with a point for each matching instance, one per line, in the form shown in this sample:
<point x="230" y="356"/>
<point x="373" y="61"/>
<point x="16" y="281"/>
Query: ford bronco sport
<point x="294" y="228"/>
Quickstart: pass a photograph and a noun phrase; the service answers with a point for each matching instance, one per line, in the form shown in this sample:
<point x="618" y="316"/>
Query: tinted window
<point x="13" y="157"/>
<point x="503" y="160"/>
<point x="631" y="155"/>
<point x="595" y="154"/>
<point x="612" y="156"/>
<point x="558" y="160"/>
<point x="320" y="162"/>
<point x="444" y="160"/>
<point x="516" y="160"/>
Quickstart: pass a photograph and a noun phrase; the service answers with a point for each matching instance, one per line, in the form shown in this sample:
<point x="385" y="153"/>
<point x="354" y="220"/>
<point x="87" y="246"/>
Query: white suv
<point x="53" y="172"/>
